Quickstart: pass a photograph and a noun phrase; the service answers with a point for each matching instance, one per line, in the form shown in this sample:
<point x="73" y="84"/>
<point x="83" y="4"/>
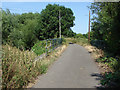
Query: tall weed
<point x="18" y="67"/>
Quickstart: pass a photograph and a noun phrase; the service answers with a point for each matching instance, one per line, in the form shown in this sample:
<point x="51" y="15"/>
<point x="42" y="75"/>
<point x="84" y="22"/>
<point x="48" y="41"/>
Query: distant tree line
<point x="24" y="30"/>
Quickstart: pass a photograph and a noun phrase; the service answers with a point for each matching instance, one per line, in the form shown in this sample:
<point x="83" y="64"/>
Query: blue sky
<point x="79" y="9"/>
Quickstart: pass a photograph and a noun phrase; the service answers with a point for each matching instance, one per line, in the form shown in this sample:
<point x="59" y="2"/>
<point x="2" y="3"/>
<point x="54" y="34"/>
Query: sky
<point x="80" y="10"/>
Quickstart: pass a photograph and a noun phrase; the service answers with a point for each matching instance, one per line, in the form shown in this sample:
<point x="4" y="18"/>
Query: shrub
<point x="18" y="67"/>
<point x="39" y="47"/>
<point x="111" y="79"/>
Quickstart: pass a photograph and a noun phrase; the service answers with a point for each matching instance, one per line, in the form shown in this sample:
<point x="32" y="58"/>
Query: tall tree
<point x="106" y="23"/>
<point x="49" y="21"/>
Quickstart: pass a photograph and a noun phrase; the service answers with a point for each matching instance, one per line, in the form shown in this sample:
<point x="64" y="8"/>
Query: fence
<point x="18" y="66"/>
<point x="52" y="44"/>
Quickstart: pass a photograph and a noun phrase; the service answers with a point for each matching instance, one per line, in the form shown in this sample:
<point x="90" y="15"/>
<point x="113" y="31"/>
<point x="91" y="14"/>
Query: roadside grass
<point x="39" y="47"/>
<point x="47" y="61"/>
<point x="80" y="41"/>
<point x="111" y="77"/>
<point x="108" y="64"/>
<point x="19" y="68"/>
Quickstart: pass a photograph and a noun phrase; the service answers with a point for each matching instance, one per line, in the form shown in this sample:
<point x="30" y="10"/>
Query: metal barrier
<point x="52" y="44"/>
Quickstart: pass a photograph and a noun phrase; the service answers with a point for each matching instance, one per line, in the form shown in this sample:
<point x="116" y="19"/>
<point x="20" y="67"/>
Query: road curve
<point x="74" y="69"/>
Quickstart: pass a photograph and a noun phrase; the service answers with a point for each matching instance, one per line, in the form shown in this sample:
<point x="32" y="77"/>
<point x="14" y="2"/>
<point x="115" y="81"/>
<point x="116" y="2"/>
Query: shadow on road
<point x="98" y="77"/>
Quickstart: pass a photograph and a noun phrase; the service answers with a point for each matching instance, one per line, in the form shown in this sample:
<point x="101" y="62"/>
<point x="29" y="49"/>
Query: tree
<point x="9" y="22"/>
<point x="79" y="35"/>
<point x="19" y="30"/>
<point x="106" y="24"/>
<point x="49" y="21"/>
<point x="26" y="29"/>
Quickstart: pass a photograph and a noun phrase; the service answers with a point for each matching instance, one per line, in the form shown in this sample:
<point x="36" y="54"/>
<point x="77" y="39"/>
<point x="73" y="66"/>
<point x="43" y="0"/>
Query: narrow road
<point x="74" y="69"/>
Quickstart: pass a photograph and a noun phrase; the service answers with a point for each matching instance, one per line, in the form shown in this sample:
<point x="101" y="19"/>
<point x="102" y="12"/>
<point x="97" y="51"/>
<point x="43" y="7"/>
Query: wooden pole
<point x="89" y="29"/>
<point x="59" y="24"/>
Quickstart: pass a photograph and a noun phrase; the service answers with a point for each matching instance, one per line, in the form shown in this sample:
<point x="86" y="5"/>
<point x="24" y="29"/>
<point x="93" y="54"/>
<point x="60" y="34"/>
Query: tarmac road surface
<point x="74" y="69"/>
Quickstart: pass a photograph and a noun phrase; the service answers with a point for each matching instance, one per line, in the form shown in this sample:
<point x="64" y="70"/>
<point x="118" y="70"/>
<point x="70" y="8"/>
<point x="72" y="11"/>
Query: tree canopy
<point x="24" y="30"/>
<point x="49" y="21"/>
<point x="106" y="23"/>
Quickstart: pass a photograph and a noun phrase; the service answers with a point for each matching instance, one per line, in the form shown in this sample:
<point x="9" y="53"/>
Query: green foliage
<point x="49" y="21"/>
<point x="20" y="68"/>
<point x="8" y="21"/>
<point x="63" y="40"/>
<point x="101" y="44"/>
<point x="105" y="24"/>
<point x="105" y="27"/>
<point x="112" y="62"/>
<point x="24" y="30"/>
<point x="39" y="48"/>
<point x="111" y="79"/>
<point x="79" y="35"/>
<point x="43" y="68"/>
<point x="83" y="41"/>
<point x="80" y="41"/>
<point x="19" y="30"/>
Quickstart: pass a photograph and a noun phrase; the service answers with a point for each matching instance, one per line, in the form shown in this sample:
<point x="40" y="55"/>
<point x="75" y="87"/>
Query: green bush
<point x="109" y="78"/>
<point x="63" y="40"/>
<point x="112" y="62"/>
<point x="39" y="47"/>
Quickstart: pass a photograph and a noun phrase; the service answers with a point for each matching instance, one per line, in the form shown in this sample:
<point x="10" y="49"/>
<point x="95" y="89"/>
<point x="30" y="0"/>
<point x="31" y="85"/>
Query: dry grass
<point x="46" y="62"/>
<point x="96" y="54"/>
<point x="17" y="67"/>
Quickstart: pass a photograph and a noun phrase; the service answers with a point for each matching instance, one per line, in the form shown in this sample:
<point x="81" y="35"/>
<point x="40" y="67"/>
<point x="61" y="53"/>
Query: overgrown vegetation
<point x="39" y="48"/>
<point x="80" y="41"/>
<point x="105" y="36"/>
<point x="22" y="42"/>
<point x="106" y="24"/>
<point x="18" y="67"/>
<point x="47" y="45"/>
<point x="111" y="79"/>
<point x="24" y="30"/>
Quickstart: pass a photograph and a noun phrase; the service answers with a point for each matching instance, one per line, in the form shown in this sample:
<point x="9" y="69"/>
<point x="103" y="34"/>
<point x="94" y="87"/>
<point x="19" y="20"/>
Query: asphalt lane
<point x="74" y="69"/>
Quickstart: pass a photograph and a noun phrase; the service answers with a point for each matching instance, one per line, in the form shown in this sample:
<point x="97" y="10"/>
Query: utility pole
<point x="89" y="28"/>
<point x="59" y="24"/>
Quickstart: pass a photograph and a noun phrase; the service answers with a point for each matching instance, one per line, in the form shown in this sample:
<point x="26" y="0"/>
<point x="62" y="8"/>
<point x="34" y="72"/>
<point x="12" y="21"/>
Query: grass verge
<point x="47" y="61"/>
<point x="108" y="64"/>
<point x="19" y="67"/>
